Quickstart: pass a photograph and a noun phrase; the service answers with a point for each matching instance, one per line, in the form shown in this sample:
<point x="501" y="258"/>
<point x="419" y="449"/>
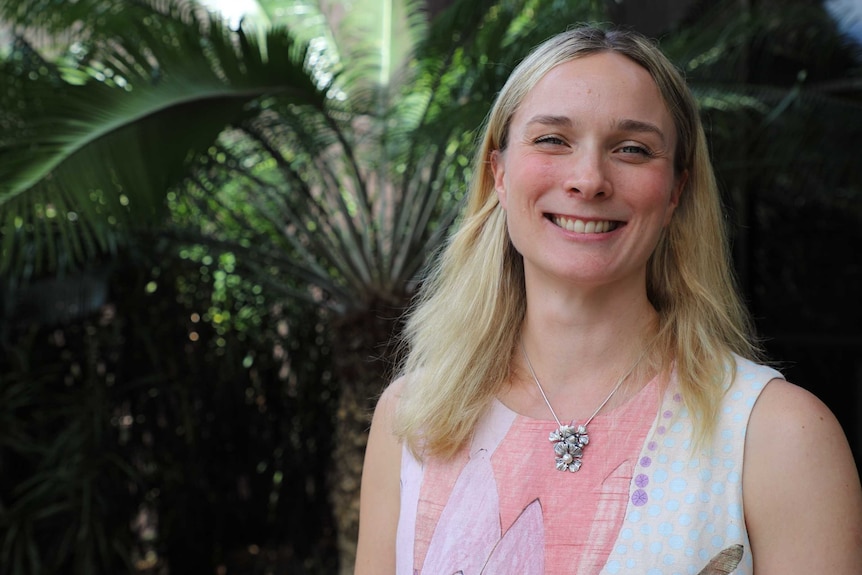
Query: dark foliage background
<point x="141" y="426"/>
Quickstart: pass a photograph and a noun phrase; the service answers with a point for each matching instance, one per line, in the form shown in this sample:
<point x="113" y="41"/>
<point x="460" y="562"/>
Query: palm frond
<point x="91" y="149"/>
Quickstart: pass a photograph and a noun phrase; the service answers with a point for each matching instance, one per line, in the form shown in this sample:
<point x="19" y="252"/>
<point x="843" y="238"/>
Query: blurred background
<point x="213" y="214"/>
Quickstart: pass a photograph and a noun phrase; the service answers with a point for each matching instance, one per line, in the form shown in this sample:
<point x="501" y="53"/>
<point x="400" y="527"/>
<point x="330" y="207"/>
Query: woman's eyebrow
<point x="550" y="120"/>
<point x="627" y="125"/>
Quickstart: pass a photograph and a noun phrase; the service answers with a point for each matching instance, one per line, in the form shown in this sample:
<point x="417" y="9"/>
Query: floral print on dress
<point x="474" y="508"/>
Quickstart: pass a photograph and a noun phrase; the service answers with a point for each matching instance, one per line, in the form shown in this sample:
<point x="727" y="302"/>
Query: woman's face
<point x="587" y="178"/>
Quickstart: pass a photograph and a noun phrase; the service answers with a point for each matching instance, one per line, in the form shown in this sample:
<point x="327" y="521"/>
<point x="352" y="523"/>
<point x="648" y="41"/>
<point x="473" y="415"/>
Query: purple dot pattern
<point x="685" y="507"/>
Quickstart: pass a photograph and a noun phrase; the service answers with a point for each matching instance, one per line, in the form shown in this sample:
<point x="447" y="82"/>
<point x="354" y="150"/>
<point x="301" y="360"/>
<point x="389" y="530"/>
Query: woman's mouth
<point x="584" y="227"/>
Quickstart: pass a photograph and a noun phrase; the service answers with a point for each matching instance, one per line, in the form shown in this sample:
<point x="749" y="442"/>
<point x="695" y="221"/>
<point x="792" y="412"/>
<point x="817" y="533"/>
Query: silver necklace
<point x="570" y="440"/>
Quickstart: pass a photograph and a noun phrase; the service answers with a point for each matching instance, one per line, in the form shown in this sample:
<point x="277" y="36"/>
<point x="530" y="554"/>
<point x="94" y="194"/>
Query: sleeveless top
<point x="644" y="504"/>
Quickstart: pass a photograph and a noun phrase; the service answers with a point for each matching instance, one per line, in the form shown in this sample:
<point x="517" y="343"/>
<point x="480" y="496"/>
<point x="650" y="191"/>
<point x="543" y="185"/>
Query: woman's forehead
<point x="604" y="83"/>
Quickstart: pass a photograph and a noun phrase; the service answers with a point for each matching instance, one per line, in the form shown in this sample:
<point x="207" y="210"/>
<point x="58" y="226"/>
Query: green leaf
<point x="105" y="154"/>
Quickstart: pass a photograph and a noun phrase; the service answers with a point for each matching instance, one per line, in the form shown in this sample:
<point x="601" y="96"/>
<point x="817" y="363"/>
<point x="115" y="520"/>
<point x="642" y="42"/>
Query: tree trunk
<point x="363" y="353"/>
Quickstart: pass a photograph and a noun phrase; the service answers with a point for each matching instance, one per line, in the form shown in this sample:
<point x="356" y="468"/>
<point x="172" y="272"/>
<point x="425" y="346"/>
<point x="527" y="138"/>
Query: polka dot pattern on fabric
<point x="686" y="507"/>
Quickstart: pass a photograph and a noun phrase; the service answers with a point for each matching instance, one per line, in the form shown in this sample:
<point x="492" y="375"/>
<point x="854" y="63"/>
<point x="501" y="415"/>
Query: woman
<point x="587" y="300"/>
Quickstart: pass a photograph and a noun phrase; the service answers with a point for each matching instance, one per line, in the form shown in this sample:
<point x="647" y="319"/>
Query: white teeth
<point x="582" y="227"/>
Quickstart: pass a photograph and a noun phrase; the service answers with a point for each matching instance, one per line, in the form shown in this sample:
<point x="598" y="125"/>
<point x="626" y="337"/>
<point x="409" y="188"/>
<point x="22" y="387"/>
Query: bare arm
<point x="801" y="492"/>
<point x="379" y="502"/>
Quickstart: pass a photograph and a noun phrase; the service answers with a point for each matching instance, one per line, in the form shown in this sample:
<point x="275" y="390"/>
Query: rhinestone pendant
<point x="569" y="443"/>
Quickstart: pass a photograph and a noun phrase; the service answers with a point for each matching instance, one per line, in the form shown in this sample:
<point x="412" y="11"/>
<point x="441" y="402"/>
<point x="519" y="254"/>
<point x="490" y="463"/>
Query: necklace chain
<point x="569" y="441"/>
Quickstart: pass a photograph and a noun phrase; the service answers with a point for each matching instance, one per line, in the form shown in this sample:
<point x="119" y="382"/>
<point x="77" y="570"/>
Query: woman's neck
<point x="582" y="341"/>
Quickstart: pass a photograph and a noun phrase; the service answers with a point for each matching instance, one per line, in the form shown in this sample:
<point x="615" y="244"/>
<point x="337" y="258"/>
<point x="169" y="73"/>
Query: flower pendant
<point x="569" y="443"/>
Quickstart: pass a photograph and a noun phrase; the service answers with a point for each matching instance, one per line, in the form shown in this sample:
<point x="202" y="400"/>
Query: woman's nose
<point x="587" y="175"/>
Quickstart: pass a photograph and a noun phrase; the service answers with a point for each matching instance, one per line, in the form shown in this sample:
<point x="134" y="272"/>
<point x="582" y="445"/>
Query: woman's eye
<point x="550" y="140"/>
<point x="640" y="150"/>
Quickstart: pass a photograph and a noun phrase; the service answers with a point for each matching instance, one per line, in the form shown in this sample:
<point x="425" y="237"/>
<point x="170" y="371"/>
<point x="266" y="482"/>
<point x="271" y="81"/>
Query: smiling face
<point x="587" y="176"/>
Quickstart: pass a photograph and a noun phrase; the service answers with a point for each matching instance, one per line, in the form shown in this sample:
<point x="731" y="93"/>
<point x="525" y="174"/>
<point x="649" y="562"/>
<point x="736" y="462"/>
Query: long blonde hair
<point x="465" y="323"/>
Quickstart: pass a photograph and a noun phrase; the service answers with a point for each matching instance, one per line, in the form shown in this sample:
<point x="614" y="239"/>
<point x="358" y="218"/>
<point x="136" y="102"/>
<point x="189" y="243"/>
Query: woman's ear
<point x="499" y="170"/>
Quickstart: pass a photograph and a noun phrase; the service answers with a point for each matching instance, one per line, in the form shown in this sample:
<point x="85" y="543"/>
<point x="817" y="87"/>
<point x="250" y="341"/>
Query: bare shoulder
<point x="379" y="504"/>
<point x="802" y="498"/>
<point x="388" y="402"/>
<point x="383" y="423"/>
<point x="792" y="427"/>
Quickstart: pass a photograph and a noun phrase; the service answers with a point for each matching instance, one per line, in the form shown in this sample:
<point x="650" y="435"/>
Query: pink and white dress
<point x="643" y="503"/>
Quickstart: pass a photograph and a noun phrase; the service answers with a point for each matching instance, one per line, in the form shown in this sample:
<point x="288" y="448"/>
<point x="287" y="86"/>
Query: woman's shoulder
<point x="792" y="423"/>
<point x="391" y="396"/>
<point x="797" y="457"/>
<point x="785" y="418"/>
<point x="379" y="496"/>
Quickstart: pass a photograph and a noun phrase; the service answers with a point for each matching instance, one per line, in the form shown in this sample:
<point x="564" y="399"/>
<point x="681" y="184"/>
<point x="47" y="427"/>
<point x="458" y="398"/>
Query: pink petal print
<point x="608" y="512"/>
<point x="469" y="526"/>
<point x="522" y="548"/>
